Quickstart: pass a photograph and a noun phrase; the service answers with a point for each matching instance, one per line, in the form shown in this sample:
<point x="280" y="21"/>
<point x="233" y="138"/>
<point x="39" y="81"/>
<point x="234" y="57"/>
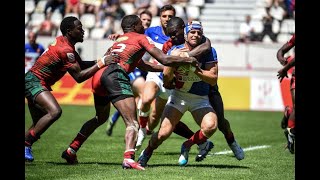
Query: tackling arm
<point x="210" y="74"/>
<point x="148" y="66"/>
<point x="171" y="60"/>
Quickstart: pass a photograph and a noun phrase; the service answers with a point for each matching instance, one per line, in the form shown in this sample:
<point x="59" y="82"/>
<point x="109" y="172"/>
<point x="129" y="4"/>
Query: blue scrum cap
<point x="193" y="25"/>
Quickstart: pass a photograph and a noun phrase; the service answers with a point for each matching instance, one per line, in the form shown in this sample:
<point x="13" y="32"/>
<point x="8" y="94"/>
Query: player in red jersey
<point x="52" y="65"/>
<point x="112" y="84"/>
<point x="288" y="121"/>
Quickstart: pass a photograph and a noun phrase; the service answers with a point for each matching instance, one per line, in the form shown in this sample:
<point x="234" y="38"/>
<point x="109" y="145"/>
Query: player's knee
<point x="55" y="113"/>
<point x="210" y="128"/>
<point x="133" y="126"/>
<point x="101" y="119"/>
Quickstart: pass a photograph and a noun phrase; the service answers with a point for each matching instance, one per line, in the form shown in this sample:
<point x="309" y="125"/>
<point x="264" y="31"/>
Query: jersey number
<point x="121" y="48"/>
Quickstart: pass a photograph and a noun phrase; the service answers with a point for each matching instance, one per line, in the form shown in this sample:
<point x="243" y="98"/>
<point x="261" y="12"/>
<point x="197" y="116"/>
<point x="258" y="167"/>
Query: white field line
<point x="244" y="149"/>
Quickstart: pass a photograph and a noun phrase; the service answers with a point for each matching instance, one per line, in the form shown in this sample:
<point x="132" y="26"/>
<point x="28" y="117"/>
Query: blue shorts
<point x="137" y="73"/>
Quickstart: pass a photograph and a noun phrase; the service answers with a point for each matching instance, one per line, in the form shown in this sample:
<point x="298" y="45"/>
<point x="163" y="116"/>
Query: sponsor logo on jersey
<point x="122" y="38"/>
<point x="71" y="57"/>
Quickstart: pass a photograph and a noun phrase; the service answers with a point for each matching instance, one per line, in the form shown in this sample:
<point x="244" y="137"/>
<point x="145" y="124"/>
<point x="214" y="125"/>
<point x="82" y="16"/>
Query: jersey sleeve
<point x="291" y="42"/>
<point x="146" y="42"/>
<point x="69" y="57"/>
<point x="167" y="46"/>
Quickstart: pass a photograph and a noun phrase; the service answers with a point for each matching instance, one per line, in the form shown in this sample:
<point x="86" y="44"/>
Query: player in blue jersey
<point x="192" y="86"/>
<point x="155" y="95"/>
<point x="176" y="31"/>
<point x="32" y="51"/>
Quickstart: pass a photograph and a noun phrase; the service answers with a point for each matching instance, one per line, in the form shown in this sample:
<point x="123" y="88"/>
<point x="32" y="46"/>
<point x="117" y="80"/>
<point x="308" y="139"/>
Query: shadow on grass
<point x="220" y="166"/>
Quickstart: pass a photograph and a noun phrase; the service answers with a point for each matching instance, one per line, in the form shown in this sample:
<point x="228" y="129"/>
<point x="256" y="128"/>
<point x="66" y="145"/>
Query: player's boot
<point x="290" y="139"/>
<point x="131" y="164"/>
<point x="284" y="121"/>
<point x="28" y="154"/>
<point x="141" y="136"/>
<point x="143" y="159"/>
<point x="184" y="155"/>
<point x="110" y="127"/>
<point x="204" y="149"/>
<point x="237" y="150"/>
<point x="71" y="158"/>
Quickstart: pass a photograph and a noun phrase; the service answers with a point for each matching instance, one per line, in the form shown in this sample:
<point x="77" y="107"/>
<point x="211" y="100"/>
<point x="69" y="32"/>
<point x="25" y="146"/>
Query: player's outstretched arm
<point x="148" y="66"/>
<point x="171" y="60"/>
<point x="80" y="75"/>
<point x="201" y="49"/>
<point x="282" y="51"/>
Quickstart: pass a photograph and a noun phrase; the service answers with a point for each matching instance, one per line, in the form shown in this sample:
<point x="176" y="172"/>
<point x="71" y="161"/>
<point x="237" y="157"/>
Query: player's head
<point x="193" y="33"/>
<point x="32" y="37"/>
<point x="131" y="23"/>
<point x="72" y="28"/>
<point x="166" y="13"/>
<point x="146" y="18"/>
<point x="175" y="29"/>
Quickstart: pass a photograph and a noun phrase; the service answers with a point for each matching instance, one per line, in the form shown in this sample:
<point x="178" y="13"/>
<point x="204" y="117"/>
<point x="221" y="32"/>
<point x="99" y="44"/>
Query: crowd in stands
<point x="272" y="16"/>
<point x="44" y="16"/>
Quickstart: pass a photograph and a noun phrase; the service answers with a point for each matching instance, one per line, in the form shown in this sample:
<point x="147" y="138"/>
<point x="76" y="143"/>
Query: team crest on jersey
<point x="122" y="38"/>
<point x="150" y="40"/>
<point x="71" y="57"/>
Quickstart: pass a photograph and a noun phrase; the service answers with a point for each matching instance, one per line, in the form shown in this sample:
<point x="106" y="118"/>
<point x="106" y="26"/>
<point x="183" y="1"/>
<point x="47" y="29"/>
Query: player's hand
<point x="113" y="37"/>
<point x="107" y="60"/>
<point x="283" y="61"/>
<point x="281" y="74"/>
<point x="169" y="85"/>
<point x="175" y="52"/>
<point x="111" y="59"/>
<point x="182" y="52"/>
<point x="193" y="61"/>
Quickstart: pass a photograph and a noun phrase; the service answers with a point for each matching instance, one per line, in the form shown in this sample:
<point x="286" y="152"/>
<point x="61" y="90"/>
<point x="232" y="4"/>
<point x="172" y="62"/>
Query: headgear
<point x="193" y="25"/>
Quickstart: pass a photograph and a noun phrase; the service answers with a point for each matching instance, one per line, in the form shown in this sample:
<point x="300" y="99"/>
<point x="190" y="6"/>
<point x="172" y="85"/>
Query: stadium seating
<point x="88" y="20"/>
<point x="97" y="33"/>
<point x="29" y="6"/>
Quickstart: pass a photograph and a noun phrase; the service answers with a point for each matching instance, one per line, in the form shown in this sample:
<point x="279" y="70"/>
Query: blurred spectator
<point x="277" y="11"/>
<point x="146" y="18"/>
<point x="267" y="21"/>
<point x="47" y="27"/>
<point x="89" y="6"/>
<point x="32" y="51"/>
<point x="72" y="6"/>
<point x="247" y="32"/>
<point x="110" y="12"/>
<point x="290" y="7"/>
<point x="142" y="5"/>
<point x="52" y="5"/>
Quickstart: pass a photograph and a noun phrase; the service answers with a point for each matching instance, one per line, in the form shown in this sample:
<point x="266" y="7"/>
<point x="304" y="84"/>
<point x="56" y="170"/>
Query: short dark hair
<point x="147" y="12"/>
<point x="128" y="21"/>
<point x="67" y="23"/>
<point x="168" y="7"/>
<point x="176" y="22"/>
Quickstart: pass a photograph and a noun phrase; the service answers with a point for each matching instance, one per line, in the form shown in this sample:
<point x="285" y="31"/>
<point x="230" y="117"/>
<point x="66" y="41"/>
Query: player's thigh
<point x="127" y="108"/>
<point x="159" y="107"/>
<point x="169" y="119"/>
<point x="138" y="85"/>
<point x="150" y="91"/>
<point x="206" y="118"/>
